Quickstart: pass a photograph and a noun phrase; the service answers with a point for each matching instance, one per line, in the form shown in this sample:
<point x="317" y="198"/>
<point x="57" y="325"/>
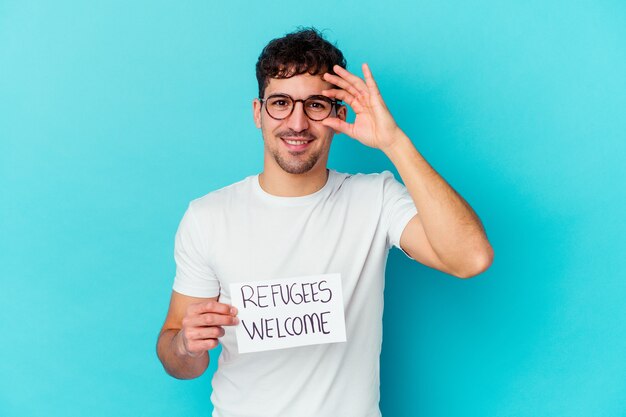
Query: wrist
<point x="397" y="145"/>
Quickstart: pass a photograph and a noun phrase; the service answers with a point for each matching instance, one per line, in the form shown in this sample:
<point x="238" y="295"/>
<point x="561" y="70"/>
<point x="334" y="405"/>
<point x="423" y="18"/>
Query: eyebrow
<point x="288" y="95"/>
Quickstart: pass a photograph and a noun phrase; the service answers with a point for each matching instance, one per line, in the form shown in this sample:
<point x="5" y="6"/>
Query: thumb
<point x="338" y="125"/>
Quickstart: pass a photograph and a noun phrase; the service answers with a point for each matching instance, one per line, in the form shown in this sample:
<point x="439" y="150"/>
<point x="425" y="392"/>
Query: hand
<point x="202" y="326"/>
<point x="373" y="126"/>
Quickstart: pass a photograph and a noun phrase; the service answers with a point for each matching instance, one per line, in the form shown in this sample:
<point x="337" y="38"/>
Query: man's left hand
<point x="373" y="126"/>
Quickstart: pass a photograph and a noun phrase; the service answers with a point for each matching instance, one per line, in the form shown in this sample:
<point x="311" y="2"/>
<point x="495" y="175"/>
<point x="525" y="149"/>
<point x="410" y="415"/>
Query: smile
<point x="296" y="144"/>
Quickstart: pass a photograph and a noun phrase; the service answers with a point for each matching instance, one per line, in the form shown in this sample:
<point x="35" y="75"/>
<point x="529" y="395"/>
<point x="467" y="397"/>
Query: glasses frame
<point x="333" y="105"/>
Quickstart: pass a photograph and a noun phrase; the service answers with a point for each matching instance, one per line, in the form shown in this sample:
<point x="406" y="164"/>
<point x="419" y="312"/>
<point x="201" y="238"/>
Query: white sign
<point x="289" y="312"/>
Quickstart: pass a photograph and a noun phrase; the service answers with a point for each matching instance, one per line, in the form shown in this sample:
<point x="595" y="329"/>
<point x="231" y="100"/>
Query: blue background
<point x="114" y="115"/>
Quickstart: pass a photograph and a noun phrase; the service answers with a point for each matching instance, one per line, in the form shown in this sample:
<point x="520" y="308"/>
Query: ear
<point x="256" y="112"/>
<point x="342" y="112"/>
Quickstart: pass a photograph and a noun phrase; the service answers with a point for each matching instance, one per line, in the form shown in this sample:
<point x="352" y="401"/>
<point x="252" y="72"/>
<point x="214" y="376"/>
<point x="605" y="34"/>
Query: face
<point x="310" y="140"/>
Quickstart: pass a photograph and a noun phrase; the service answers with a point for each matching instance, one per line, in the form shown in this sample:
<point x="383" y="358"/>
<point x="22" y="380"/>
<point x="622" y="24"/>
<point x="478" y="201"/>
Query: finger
<point x="341" y="83"/>
<point x="369" y="79"/>
<point x="343" y="95"/>
<point x="338" y="125"/>
<point x="210" y="319"/>
<point x="202" y="333"/>
<point x="199" y="347"/>
<point x="212" y="307"/>
<point x="352" y="79"/>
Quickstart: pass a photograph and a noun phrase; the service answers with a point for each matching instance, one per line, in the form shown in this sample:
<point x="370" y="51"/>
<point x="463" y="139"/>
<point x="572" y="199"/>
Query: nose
<point x="298" y="121"/>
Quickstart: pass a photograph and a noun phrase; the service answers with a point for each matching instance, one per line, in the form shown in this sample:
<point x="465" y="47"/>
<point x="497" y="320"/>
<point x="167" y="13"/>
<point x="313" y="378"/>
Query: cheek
<point x="327" y="132"/>
<point x="270" y="128"/>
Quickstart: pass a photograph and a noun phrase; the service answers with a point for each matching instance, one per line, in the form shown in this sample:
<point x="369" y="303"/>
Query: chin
<point x="299" y="167"/>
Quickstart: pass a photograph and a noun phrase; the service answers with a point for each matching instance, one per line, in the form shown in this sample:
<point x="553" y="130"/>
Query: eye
<point x="318" y="105"/>
<point x="279" y="102"/>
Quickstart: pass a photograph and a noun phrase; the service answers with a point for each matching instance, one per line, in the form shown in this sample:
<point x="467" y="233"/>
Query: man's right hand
<point x="202" y="326"/>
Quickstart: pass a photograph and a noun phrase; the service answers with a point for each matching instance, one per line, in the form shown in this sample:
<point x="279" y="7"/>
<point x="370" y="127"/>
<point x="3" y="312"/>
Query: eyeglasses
<point x="280" y="106"/>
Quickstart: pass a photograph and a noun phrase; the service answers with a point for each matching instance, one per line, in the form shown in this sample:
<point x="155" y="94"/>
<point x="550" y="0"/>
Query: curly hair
<point x="299" y="52"/>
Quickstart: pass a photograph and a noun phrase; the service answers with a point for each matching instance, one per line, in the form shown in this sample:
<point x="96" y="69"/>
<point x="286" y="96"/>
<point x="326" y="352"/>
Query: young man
<point x="298" y="218"/>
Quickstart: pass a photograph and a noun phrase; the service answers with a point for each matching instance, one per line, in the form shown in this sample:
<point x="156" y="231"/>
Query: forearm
<point x="177" y="363"/>
<point x="452" y="227"/>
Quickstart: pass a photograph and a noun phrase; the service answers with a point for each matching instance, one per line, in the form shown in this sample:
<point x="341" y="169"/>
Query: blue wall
<point x="113" y="115"/>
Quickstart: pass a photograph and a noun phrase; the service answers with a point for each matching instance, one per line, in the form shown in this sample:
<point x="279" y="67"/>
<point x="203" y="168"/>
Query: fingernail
<point x="233" y="310"/>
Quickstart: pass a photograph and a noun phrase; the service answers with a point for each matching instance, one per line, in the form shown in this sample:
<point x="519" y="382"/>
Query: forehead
<point x="302" y="85"/>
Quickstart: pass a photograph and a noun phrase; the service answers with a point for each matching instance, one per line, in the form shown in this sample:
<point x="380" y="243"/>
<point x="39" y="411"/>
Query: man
<point x="298" y="218"/>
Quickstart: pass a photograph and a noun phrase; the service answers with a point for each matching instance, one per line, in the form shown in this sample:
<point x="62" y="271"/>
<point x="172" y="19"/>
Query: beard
<point x="295" y="164"/>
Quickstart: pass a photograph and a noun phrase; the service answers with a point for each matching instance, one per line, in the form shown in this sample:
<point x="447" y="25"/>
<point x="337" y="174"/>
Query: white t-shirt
<point x="242" y="233"/>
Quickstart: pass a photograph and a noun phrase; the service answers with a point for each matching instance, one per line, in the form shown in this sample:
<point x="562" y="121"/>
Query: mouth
<point x="297" y="144"/>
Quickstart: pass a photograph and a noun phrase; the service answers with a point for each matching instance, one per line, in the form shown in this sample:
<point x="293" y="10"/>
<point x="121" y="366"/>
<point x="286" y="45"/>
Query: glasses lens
<point x="318" y="107"/>
<point x="279" y="107"/>
<point x="315" y="107"/>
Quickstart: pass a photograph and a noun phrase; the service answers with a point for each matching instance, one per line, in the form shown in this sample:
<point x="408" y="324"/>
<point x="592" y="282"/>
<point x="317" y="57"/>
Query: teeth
<point x="296" y="142"/>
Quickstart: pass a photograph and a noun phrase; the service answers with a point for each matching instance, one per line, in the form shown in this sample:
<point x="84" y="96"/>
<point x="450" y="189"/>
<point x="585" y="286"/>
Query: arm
<point x="191" y="328"/>
<point x="446" y="234"/>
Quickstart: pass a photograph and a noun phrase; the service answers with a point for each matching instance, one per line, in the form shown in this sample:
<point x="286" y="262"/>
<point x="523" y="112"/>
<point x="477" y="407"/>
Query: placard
<point x="289" y="312"/>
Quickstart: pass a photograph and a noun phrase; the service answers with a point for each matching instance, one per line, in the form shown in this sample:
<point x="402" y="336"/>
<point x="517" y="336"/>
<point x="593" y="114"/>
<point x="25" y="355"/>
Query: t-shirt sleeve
<point x="398" y="208"/>
<point x="194" y="275"/>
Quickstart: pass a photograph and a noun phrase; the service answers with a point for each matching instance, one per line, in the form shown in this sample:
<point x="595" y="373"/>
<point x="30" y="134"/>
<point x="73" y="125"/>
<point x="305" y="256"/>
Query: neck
<point x="283" y="184"/>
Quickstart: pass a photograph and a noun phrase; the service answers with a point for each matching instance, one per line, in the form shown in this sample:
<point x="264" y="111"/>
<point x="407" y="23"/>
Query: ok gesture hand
<point x="373" y="126"/>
